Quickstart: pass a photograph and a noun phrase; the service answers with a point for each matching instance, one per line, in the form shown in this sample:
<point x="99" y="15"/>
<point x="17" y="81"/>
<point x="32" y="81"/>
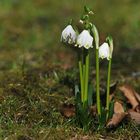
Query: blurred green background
<point x="33" y="27"/>
<point x="35" y="22"/>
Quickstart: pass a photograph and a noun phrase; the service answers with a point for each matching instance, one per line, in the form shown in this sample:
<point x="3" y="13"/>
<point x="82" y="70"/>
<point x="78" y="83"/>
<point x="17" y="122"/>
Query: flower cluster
<point x="84" y="39"/>
<point x="88" y="38"/>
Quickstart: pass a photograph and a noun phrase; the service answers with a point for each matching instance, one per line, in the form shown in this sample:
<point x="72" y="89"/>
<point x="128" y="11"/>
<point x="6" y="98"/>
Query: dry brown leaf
<point x="68" y="110"/>
<point x="118" y="108"/>
<point x="116" y="119"/>
<point x="137" y="96"/>
<point x="118" y="115"/>
<point x="129" y="93"/>
<point x="135" y="116"/>
<point x="138" y="109"/>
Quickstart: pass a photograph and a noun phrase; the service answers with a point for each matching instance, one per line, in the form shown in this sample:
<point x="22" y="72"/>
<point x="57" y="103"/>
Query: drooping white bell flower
<point x="69" y="35"/>
<point x="104" y="51"/>
<point x="85" y="40"/>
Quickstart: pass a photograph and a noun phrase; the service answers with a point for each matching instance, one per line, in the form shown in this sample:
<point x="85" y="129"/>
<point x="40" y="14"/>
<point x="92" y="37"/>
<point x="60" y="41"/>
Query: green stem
<point x="84" y="72"/>
<point x="86" y="77"/>
<point x="108" y="87"/>
<point x="98" y="83"/>
<point x="81" y="80"/>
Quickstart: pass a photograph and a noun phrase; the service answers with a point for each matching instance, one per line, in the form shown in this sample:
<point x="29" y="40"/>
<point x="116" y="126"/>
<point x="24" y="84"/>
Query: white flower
<point x="85" y="40"/>
<point x="69" y="35"/>
<point x="104" y="51"/>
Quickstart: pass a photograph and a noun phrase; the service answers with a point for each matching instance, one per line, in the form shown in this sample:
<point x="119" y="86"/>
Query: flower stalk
<point x="110" y="42"/>
<point x="98" y="83"/>
<point x="96" y="37"/>
<point x="81" y="80"/>
<point x="84" y="76"/>
<point x="108" y="87"/>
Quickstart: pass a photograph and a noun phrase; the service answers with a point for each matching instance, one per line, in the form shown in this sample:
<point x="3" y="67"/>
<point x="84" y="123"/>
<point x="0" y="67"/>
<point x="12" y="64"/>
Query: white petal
<point x="85" y="39"/>
<point x="69" y="35"/>
<point x="104" y="51"/>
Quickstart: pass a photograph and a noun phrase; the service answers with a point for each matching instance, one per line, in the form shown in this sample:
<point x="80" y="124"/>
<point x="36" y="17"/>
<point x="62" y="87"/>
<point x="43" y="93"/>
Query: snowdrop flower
<point x="69" y="35"/>
<point x="104" y="51"/>
<point x="85" y="40"/>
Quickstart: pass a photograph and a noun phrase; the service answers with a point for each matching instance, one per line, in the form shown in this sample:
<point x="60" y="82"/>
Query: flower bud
<point x="96" y="35"/>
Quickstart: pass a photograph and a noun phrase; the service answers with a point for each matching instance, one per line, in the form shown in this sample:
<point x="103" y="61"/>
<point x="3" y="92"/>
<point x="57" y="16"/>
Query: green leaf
<point x="102" y="118"/>
<point x="111" y="109"/>
<point x="90" y="95"/>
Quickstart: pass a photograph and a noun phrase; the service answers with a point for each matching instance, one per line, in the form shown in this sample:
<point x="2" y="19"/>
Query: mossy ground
<point x="37" y="73"/>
